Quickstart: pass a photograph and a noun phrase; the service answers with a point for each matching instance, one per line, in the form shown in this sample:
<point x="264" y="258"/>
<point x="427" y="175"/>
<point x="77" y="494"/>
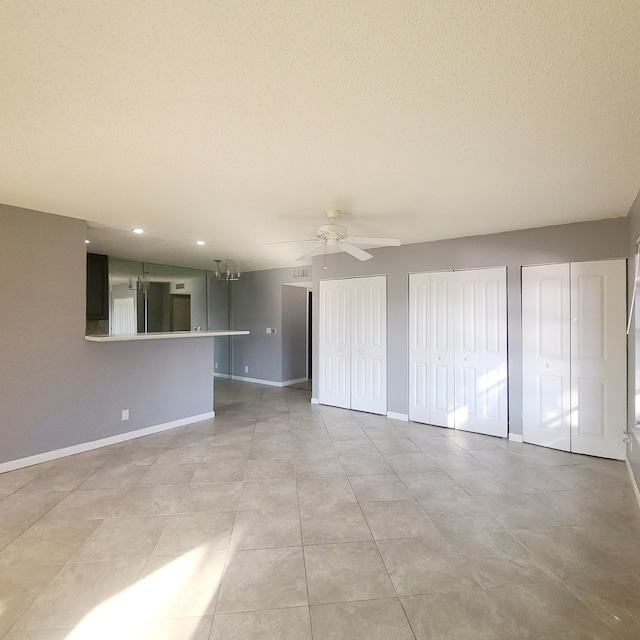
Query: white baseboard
<point x="222" y="375"/>
<point x="271" y="383"/>
<point x="11" y="465"/>
<point x="314" y="401"/>
<point x="515" y="437"/>
<point x="398" y="416"/>
<point x="288" y="383"/>
<point x="634" y="483"/>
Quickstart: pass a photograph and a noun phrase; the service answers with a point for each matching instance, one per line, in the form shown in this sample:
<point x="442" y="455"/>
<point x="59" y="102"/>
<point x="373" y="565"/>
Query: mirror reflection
<point x="219" y="317"/>
<point x="126" y="297"/>
<point x="175" y="298"/>
<point x="145" y="297"/>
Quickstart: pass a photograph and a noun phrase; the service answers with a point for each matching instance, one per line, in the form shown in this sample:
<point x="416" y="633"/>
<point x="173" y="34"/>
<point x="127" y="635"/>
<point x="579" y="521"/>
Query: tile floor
<point x="283" y="520"/>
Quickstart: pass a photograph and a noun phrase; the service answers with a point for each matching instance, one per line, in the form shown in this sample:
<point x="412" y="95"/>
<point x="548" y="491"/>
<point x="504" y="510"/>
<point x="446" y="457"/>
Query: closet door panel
<point x="419" y="348"/>
<point x="546" y="356"/>
<point x="481" y="352"/>
<point x="442" y="339"/>
<point x="598" y="351"/>
<point x="335" y="344"/>
<point x="492" y="374"/>
<point x="369" y="344"/>
<point x="465" y="349"/>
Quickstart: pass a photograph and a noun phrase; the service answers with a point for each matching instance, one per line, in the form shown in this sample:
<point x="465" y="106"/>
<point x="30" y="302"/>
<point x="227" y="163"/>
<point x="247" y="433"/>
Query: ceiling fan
<point x="335" y="236"/>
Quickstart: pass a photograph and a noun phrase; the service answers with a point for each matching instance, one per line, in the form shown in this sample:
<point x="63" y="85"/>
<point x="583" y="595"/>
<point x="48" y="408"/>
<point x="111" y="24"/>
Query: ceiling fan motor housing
<point x="332" y="232"/>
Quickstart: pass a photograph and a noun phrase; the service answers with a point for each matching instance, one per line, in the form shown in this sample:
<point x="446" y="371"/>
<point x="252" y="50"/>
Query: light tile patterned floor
<point x="284" y="520"/>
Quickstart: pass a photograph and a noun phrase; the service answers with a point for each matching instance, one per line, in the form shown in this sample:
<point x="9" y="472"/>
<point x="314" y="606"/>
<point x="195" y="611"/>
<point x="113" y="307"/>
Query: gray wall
<point x="256" y="303"/>
<point x="564" y="243"/>
<point x="294" y="333"/>
<point x="634" y="334"/>
<point x="57" y="389"/>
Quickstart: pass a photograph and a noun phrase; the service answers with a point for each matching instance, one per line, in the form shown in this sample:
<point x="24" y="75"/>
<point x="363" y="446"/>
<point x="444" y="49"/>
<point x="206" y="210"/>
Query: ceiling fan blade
<point x="380" y="242"/>
<point x="312" y="252"/>
<point x="294" y="241"/>
<point x="354" y="251"/>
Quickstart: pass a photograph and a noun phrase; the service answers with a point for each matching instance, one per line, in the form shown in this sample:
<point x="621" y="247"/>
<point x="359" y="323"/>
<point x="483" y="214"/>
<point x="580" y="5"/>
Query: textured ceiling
<point x="241" y="122"/>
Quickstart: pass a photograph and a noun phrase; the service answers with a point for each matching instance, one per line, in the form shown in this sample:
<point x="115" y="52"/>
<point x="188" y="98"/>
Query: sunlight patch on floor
<point x="136" y="613"/>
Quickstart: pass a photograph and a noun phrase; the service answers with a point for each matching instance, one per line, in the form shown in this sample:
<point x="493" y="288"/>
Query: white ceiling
<point x="240" y="122"/>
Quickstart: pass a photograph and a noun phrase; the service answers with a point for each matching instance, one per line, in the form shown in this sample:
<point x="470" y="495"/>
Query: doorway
<point x="180" y="314"/>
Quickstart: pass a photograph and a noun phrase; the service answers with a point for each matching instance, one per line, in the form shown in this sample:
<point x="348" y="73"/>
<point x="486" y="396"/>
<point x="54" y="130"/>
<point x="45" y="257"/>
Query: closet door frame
<point x="591" y="364"/>
<point x="467" y="373"/>
<point x="353" y="343"/>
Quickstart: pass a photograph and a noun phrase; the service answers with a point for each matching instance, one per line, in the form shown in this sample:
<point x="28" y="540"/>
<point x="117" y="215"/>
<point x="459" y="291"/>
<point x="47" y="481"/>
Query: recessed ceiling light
<point x="200" y="242"/>
<point x="138" y="230"/>
<point x="87" y="241"/>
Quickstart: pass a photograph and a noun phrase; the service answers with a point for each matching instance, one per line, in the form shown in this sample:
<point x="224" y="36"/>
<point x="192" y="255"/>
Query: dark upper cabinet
<point x="97" y="287"/>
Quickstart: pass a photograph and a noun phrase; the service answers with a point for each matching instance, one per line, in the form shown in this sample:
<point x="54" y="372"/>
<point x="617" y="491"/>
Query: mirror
<point x="219" y="318"/>
<point x="150" y="298"/>
<point x="147" y="298"/>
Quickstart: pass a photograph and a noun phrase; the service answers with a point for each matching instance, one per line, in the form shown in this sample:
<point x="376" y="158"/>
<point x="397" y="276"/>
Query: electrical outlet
<point x="269" y="330"/>
<point x="125" y="414"/>
<point x="216" y="365"/>
<point x="246" y="369"/>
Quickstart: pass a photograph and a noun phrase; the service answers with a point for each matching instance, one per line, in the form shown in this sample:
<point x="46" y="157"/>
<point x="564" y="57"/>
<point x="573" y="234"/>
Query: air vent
<point x="301" y="273"/>
<point x="180" y="285"/>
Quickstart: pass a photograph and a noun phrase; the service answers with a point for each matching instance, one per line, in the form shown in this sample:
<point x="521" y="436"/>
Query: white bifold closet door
<point x="353" y="344"/>
<point x="574" y="357"/>
<point x="458" y="350"/>
<point x="335" y="343"/>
